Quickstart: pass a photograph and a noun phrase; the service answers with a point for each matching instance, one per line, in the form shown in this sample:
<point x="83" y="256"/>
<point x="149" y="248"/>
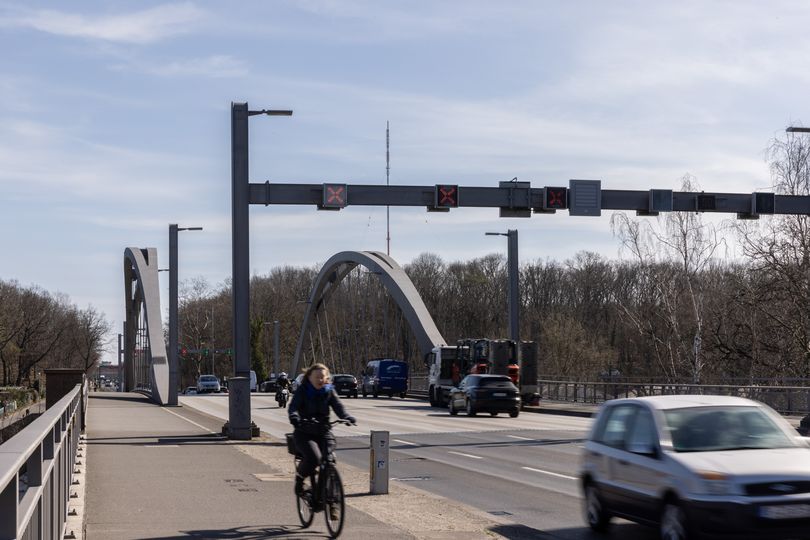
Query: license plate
<point x="785" y="511"/>
<point x="499" y="394"/>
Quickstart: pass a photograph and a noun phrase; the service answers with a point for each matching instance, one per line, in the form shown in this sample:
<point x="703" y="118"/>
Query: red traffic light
<point x="335" y="196"/>
<point x="446" y="196"/>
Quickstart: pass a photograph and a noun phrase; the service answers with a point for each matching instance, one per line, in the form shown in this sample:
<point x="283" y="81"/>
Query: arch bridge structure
<point x="397" y="283"/>
<point x="146" y="367"/>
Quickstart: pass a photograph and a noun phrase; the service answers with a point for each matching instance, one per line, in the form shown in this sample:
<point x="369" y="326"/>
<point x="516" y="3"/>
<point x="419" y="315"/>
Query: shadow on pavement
<point x="249" y="533"/>
<point x="625" y="531"/>
<point x="129" y="397"/>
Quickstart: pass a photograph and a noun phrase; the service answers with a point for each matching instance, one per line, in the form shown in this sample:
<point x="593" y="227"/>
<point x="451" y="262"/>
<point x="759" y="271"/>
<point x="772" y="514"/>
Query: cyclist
<point x="311" y="401"/>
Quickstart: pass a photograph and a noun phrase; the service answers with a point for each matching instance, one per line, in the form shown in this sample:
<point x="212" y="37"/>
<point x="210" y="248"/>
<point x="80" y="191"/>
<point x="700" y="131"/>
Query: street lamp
<point x="276" y="353"/>
<point x="793" y="129"/>
<point x="514" y="295"/>
<point x="174" y="375"/>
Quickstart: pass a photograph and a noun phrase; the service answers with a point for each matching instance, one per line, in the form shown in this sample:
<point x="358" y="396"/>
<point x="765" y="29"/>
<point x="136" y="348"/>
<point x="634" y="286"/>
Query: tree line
<point x="40" y="330"/>
<point x="672" y="308"/>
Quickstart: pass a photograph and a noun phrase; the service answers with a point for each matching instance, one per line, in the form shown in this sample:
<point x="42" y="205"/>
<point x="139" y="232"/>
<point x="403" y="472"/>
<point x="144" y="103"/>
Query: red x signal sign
<point x="556" y="198"/>
<point x="334" y="196"/>
<point x="446" y="196"/>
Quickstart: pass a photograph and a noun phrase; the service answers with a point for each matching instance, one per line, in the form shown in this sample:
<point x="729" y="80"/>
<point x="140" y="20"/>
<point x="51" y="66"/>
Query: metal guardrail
<point x="789" y="400"/>
<point x="36" y="469"/>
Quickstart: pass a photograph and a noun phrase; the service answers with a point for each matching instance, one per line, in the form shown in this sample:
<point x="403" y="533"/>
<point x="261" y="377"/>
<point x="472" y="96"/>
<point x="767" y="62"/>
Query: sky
<point x="115" y="121"/>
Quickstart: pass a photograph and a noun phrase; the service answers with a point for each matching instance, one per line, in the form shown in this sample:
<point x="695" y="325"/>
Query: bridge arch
<point x="146" y="367"/>
<point x="393" y="278"/>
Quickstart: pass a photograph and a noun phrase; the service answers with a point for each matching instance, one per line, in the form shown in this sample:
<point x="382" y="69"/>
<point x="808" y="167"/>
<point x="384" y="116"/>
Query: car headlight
<point x="714" y="483"/>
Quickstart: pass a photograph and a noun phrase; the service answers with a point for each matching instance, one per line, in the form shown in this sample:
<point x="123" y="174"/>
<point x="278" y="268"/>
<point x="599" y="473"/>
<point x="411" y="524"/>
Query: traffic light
<point x="335" y="196"/>
<point x="556" y="198"/>
<point x="446" y="196"/>
<point x="205" y="352"/>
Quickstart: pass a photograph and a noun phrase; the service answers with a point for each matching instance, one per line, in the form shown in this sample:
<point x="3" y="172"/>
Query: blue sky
<point x="114" y="120"/>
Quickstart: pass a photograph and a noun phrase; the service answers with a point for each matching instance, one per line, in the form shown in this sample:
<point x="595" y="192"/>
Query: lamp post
<point x="514" y="294"/>
<point x="174" y="371"/>
<point x="239" y="405"/>
<point x="276" y="349"/>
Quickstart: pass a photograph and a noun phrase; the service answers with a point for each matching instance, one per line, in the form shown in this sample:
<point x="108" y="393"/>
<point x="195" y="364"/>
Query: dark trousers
<point x="313" y="448"/>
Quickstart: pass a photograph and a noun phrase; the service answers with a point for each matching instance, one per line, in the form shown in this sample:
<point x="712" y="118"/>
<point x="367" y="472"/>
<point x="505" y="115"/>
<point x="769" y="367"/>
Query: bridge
<point x="147" y="463"/>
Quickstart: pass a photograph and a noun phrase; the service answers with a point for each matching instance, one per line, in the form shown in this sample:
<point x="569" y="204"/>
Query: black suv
<point x="345" y="385"/>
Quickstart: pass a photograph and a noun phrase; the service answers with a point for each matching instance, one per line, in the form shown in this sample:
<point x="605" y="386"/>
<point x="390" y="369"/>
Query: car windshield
<point x="496" y="382"/>
<point x="208" y="378"/>
<point x="709" y="429"/>
<point x="343" y="378"/>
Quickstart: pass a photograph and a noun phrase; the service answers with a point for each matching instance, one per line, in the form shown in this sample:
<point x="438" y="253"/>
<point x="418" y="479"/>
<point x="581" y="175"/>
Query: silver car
<point x="207" y="383"/>
<point x="697" y="465"/>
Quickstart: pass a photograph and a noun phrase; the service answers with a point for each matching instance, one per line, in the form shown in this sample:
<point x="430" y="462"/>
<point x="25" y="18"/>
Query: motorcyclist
<point x="282" y="382"/>
<point x="311" y="401"/>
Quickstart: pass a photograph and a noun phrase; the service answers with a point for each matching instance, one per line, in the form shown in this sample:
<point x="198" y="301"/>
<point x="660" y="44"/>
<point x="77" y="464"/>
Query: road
<point x="521" y="470"/>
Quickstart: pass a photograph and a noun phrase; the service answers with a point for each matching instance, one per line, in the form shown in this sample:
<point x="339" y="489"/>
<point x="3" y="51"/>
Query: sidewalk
<point x="164" y="473"/>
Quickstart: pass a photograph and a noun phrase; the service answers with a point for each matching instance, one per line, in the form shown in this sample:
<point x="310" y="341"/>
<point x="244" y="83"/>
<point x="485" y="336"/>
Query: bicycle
<point x="323" y="490"/>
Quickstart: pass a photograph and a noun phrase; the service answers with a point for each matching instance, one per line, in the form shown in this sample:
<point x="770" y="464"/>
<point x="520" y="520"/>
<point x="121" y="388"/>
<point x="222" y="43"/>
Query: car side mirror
<point x="643" y="448"/>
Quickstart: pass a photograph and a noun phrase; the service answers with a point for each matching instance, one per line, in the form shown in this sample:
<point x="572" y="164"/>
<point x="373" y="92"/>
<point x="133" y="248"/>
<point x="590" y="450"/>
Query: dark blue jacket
<point x="315" y="406"/>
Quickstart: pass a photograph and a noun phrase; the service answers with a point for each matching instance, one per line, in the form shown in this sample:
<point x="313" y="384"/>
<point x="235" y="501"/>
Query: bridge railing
<point x="794" y="400"/>
<point x="36" y="469"/>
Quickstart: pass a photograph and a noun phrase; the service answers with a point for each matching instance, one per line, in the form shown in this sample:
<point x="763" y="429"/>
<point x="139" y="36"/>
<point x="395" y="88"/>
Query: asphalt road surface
<point x="520" y="470"/>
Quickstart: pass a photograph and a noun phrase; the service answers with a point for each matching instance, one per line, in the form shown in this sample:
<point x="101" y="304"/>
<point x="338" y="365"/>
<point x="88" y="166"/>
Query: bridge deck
<point x="159" y="472"/>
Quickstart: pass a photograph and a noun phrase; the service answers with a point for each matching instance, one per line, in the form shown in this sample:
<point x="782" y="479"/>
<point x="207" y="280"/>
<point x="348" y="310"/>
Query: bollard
<point x="378" y="463"/>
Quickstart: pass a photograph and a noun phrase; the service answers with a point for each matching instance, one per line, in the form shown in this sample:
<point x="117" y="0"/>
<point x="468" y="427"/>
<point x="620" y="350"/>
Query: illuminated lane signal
<point x="556" y="198"/>
<point x="335" y="196"/>
<point x="446" y="196"/>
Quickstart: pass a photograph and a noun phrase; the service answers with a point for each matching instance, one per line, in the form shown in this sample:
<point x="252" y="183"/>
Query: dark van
<point x="385" y="377"/>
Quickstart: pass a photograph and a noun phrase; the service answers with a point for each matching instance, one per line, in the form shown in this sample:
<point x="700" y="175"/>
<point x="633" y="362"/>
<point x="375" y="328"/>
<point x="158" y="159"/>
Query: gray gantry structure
<point x="393" y="278"/>
<point x="146" y="367"/>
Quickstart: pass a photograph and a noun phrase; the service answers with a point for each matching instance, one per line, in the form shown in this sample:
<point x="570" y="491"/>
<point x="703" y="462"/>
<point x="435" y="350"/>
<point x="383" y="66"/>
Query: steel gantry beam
<point x="513" y="199"/>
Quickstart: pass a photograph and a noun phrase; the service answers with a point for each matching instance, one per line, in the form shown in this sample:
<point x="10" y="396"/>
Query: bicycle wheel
<point x="304" y="501"/>
<point x="333" y="504"/>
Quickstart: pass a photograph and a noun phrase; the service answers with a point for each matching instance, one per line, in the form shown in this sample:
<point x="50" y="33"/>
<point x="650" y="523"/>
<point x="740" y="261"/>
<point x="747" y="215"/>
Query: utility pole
<point x="514" y="285"/>
<point x="387" y="183"/>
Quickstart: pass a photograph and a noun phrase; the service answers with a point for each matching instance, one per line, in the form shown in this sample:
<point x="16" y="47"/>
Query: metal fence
<point x="791" y="400"/>
<point x="36" y="469"/>
<point x="794" y="400"/>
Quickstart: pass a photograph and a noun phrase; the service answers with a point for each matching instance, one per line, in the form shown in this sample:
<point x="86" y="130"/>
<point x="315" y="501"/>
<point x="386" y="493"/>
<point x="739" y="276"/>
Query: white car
<point x="296" y="383"/>
<point x="697" y="464"/>
<point x="207" y="383"/>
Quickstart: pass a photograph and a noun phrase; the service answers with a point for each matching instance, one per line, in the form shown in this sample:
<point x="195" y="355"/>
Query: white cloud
<point x="146" y="26"/>
<point x="216" y="66"/>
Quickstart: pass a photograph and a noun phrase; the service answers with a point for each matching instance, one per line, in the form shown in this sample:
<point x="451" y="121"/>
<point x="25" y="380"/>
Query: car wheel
<point x="596" y="514"/>
<point x="493" y="413"/>
<point x="403" y="395"/>
<point x="432" y="397"/>
<point x="673" y="522"/>
<point x="390" y="395"/>
<point x="452" y="409"/>
<point x="364" y="393"/>
<point x="515" y="413"/>
<point x="470" y="409"/>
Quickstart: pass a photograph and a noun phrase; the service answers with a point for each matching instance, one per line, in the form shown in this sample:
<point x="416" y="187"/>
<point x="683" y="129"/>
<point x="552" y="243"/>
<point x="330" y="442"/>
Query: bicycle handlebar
<point x="317" y="422"/>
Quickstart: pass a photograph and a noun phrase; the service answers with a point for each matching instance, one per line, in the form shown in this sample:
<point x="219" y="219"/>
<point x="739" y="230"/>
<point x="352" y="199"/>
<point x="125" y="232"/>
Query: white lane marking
<point x="465" y="455"/>
<point x="406" y="442"/>
<point x="550" y="473"/>
<point x="189" y="421"/>
<point x="519" y="437"/>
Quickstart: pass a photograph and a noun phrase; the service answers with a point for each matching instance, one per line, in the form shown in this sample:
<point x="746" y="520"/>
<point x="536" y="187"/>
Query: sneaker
<point x="334" y="512"/>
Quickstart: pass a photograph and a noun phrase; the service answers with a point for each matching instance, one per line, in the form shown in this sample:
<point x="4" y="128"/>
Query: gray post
<point x="120" y="362"/>
<point x="239" y="410"/>
<point x="514" y="290"/>
<point x="378" y="462"/>
<point x="276" y="348"/>
<point x="173" y="367"/>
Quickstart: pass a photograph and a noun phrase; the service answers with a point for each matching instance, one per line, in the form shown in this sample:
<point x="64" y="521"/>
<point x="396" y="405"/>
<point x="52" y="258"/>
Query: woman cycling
<point x="309" y="415"/>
